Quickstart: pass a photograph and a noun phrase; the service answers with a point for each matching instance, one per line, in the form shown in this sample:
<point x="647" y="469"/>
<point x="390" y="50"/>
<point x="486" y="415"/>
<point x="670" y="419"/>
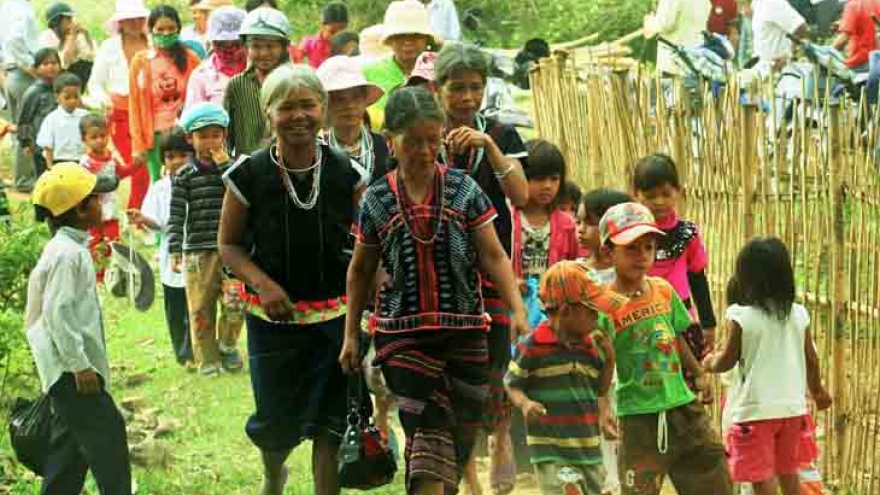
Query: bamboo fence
<point x="817" y="187"/>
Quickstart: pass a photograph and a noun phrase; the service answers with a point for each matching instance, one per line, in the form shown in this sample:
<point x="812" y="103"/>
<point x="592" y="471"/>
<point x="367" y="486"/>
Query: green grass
<point x="211" y="453"/>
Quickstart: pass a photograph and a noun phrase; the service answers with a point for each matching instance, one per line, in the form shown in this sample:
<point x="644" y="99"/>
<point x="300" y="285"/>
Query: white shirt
<point x="773" y="369"/>
<point x="772" y="20"/>
<point x="109" y="74"/>
<point x="60" y="133"/>
<point x="682" y="23"/>
<point x="443" y="18"/>
<point x="157" y="207"/>
<point x="63" y="319"/>
<point x="20" y="33"/>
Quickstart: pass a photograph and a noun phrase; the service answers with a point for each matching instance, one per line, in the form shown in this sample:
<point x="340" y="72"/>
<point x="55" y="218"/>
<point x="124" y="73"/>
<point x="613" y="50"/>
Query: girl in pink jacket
<point x="542" y="233"/>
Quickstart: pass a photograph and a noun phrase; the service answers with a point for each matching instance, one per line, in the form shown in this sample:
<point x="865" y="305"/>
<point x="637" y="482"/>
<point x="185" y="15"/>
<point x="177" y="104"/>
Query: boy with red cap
<point x="663" y="428"/>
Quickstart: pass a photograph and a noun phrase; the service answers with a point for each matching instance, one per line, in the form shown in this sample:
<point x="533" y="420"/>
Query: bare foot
<point x="276" y="486"/>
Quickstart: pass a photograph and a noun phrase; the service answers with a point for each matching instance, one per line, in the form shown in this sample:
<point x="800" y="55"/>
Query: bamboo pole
<point x="748" y="160"/>
<point x="839" y="320"/>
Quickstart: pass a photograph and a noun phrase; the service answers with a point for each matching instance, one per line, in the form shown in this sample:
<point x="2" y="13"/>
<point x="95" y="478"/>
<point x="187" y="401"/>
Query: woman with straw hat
<point x="349" y="96"/>
<point x="71" y="39"/>
<point x="228" y="58"/>
<point x="407" y="31"/>
<point x="489" y="151"/>
<point x="266" y="34"/>
<point x="108" y="85"/>
<point x="285" y="226"/>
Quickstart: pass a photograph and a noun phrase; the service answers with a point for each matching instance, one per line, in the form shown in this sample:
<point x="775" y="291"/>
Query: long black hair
<point x="545" y="160"/>
<point x="764" y="277"/>
<point x="178" y="50"/>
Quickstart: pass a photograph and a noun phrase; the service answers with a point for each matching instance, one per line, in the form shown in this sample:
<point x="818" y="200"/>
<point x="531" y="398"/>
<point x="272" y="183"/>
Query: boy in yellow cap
<point x="663" y="428"/>
<point x="560" y="377"/>
<point x="66" y="336"/>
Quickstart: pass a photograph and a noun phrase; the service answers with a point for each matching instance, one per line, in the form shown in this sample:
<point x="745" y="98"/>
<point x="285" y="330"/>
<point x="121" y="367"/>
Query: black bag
<point x="365" y="459"/>
<point x="30" y="432"/>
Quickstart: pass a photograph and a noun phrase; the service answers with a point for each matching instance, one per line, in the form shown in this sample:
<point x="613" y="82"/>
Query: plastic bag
<point x="30" y="432"/>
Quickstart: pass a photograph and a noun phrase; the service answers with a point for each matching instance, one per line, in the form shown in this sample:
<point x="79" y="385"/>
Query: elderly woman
<point x="108" y="85"/>
<point x="72" y="40"/>
<point x="489" y="152"/>
<point x="228" y="58"/>
<point x="350" y="95"/>
<point x="293" y="200"/>
<point x="266" y="33"/>
<point x="431" y="227"/>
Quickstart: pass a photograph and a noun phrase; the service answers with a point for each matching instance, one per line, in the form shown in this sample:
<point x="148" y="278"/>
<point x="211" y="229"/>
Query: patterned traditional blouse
<point x="428" y="251"/>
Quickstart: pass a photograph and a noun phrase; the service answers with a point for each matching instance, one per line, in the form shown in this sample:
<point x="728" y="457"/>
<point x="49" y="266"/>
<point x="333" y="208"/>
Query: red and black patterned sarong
<point x="439" y="378"/>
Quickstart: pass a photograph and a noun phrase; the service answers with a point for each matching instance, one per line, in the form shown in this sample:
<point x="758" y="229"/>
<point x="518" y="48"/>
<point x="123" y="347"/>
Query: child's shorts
<point x="760" y="450"/>
<point x="553" y="478"/>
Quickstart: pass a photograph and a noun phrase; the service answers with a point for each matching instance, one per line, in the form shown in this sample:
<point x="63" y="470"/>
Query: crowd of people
<point x="347" y="202"/>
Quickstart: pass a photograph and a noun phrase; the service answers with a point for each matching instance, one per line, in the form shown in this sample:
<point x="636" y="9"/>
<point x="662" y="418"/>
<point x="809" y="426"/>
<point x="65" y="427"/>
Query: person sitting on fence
<point x="561" y="404"/>
<point x="664" y="430"/>
<point x="66" y="334"/>
<point x="770" y="343"/>
<point x="772" y="22"/>
<point x="858" y="33"/>
<point x="542" y="233"/>
<point x="681" y="256"/>
<point x="682" y="23"/>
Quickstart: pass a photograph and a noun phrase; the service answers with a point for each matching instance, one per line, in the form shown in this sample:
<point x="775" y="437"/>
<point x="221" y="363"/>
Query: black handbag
<point x="365" y="459"/>
<point x="30" y="432"/>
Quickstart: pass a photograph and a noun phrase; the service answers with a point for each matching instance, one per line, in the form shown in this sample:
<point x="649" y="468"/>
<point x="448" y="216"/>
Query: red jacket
<point x="563" y="239"/>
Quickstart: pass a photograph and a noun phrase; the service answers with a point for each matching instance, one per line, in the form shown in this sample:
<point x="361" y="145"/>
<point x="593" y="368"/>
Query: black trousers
<point x="87" y="433"/>
<point x="177" y="317"/>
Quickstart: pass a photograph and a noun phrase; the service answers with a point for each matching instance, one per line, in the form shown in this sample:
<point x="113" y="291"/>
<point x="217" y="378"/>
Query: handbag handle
<point x="355" y="391"/>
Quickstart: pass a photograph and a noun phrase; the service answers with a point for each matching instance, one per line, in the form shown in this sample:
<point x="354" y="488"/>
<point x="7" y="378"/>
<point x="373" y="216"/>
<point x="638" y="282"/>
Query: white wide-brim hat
<point x="126" y="9"/>
<point x="407" y="17"/>
<point x="342" y="72"/>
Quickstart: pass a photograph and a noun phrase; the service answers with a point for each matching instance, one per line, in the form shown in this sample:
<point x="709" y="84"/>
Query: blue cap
<point x="203" y="115"/>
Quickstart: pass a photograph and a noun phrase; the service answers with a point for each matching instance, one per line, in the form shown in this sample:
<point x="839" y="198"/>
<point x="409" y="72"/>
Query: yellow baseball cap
<point x="64" y="186"/>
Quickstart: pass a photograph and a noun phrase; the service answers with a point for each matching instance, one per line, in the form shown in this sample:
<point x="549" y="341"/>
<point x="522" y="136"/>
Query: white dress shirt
<point x="63" y="319"/>
<point x="60" y="133"/>
<point x="157" y="207"/>
<point x="772" y="20"/>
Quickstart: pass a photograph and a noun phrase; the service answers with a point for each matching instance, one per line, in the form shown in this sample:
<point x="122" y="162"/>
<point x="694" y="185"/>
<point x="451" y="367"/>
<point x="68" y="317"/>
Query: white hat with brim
<point x="340" y="73"/>
<point x="407" y="17"/>
<point x="125" y="10"/>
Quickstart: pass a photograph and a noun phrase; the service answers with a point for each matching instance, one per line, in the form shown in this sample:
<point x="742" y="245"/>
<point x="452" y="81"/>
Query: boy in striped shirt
<point x="560" y="377"/>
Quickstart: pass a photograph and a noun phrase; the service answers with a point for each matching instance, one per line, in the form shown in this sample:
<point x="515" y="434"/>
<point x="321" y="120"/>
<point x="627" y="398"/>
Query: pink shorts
<point x="760" y="450"/>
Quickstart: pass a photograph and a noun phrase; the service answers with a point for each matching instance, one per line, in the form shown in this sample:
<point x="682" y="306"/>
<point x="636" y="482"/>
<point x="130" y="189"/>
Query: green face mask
<point x="165" y="40"/>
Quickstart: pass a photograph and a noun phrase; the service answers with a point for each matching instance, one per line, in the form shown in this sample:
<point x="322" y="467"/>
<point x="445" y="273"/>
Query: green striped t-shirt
<point x="565" y="380"/>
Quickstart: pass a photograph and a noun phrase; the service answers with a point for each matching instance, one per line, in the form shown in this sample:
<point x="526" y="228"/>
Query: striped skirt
<point x="439" y="378"/>
<point x="497" y="407"/>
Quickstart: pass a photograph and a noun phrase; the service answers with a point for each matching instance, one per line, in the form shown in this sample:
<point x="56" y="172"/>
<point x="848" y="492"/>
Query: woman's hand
<point x="532" y="411"/>
<point x="350" y="356"/>
<point x="276" y="303"/>
<point x="459" y="140"/>
<point x="135" y="216"/>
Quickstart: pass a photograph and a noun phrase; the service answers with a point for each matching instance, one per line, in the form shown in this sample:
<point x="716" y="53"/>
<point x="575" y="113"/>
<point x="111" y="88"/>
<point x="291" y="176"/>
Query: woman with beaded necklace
<point x="350" y="94"/>
<point x="294" y="201"/>
<point x="489" y="152"/>
<point x="431" y="227"/>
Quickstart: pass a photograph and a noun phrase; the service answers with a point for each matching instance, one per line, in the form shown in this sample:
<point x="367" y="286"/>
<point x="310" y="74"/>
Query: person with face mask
<point x="158" y="82"/>
<point x="228" y="58"/>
